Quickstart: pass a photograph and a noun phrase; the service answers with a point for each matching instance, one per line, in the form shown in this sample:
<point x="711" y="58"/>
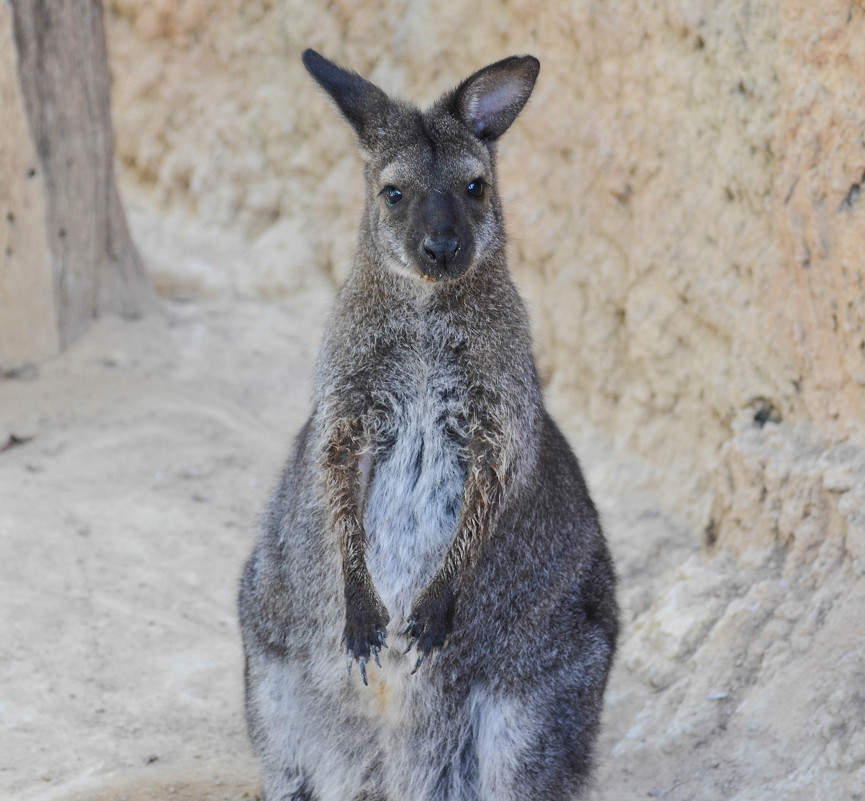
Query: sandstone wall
<point x="683" y="191"/>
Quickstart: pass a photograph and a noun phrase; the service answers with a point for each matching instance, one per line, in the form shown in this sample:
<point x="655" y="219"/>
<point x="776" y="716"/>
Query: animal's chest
<point x="415" y="494"/>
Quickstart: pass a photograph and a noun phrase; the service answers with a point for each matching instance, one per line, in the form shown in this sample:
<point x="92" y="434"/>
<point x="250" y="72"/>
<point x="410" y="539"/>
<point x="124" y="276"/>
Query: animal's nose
<point x="441" y="249"/>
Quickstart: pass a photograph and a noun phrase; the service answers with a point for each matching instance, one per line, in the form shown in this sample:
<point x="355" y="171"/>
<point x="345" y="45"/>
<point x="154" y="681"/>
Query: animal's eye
<point x="476" y="188"/>
<point x="392" y="195"/>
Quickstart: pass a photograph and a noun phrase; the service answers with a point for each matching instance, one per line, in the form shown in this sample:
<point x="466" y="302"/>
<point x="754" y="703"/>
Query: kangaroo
<point x="431" y="506"/>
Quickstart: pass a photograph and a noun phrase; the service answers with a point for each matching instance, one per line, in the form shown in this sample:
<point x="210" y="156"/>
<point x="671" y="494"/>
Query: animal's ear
<point x="490" y="100"/>
<point x="363" y="104"/>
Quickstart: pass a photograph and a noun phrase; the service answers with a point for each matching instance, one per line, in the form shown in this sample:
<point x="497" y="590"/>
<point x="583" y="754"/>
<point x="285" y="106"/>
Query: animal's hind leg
<point x="269" y="711"/>
<point x="302" y="794"/>
<point x="286" y="788"/>
<point x="531" y="747"/>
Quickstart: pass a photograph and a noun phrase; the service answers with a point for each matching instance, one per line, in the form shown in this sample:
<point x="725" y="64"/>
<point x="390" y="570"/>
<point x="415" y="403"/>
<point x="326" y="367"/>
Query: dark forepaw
<point x="365" y="633"/>
<point x="430" y="622"/>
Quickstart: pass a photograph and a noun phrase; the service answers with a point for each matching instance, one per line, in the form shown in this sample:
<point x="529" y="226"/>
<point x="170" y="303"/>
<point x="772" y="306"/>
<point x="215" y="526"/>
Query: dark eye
<point x="476" y="188"/>
<point x="392" y="195"/>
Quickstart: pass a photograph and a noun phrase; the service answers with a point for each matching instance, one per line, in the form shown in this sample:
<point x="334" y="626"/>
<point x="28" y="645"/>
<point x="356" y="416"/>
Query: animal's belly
<point x="411" y="512"/>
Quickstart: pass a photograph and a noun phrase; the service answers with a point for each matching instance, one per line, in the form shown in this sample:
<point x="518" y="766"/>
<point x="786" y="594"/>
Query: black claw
<point x="362" y="663"/>
<point x="417" y="664"/>
<point x="348" y="662"/>
<point x="381" y="641"/>
<point x="375" y="655"/>
<point x="410" y="645"/>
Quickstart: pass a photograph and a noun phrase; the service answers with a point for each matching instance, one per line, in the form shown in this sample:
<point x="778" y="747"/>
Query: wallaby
<point x="431" y="504"/>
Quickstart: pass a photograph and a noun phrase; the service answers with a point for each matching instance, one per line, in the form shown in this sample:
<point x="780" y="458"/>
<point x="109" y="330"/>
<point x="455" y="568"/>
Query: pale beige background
<point x="683" y="199"/>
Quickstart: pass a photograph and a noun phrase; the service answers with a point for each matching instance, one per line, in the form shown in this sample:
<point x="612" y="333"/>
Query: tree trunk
<point x="62" y="65"/>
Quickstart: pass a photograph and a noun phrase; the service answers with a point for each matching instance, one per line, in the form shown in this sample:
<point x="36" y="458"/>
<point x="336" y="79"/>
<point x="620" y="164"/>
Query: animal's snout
<point x="441" y="249"/>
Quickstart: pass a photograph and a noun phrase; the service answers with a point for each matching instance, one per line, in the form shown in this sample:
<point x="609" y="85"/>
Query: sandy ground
<point x="124" y="524"/>
<point x="132" y="472"/>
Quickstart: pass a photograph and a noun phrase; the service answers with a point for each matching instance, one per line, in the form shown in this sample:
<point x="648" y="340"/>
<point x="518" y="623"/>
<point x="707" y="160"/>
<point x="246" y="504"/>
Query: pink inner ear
<point x="484" y="104"/>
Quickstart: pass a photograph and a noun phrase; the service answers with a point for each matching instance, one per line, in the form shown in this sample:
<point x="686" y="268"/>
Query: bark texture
<point x="62" y="68"/>
<point x="28" y="328"/>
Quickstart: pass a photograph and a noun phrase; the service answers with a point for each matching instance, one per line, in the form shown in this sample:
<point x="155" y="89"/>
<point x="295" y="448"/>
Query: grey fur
<point x="431" y="504"/>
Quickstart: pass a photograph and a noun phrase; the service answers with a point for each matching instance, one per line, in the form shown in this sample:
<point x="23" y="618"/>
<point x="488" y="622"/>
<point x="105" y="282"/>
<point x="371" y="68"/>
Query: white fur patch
<point x="277" y="701"/>
<point x="502" y="739"/>
<point x="416" y="493"/>
<point x="307" y="740"/>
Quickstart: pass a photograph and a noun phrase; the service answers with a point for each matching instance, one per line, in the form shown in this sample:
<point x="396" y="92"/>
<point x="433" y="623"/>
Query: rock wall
<point x="683" y="191"/>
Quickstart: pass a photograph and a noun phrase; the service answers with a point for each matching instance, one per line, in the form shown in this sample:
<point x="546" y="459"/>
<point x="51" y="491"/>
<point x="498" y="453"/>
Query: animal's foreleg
<point x="431" y="618"/>
<point x="366" y="617"/>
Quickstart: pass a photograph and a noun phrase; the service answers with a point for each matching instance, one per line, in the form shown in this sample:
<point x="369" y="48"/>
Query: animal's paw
<point x="430" y="621"/>
<point x="365" y="633"/>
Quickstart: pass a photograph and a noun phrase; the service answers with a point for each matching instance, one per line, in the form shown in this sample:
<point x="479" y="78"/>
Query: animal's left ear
<point x="490" y="100"/>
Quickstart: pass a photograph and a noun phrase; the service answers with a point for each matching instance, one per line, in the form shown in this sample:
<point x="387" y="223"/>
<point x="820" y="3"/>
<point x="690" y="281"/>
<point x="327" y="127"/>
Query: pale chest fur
<point x="415" y="495"/>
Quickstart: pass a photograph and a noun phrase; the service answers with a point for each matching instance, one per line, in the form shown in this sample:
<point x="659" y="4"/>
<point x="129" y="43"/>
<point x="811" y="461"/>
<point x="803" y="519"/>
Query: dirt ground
<point x="132" y="470"/>
<point x="127" y="511"/>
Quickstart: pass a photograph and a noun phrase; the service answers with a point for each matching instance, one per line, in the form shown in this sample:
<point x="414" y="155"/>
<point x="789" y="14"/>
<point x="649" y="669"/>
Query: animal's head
<point x="432" y="204"/>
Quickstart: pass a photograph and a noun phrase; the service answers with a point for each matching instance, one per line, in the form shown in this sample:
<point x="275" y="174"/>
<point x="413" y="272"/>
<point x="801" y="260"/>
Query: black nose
<point x="441" y="249"/>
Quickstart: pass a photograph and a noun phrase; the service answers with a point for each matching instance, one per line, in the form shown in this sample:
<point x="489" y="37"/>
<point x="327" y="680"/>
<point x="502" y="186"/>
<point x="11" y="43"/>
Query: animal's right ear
<point x="363" y="104"/>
